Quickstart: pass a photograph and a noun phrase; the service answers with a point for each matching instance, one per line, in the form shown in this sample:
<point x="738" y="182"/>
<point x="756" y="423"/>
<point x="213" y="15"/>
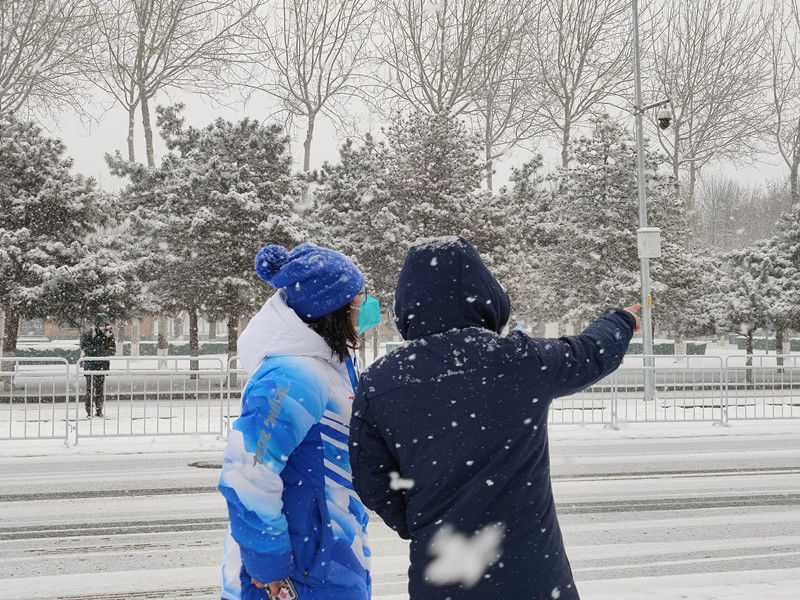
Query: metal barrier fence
<point x="764" y="387"/>
<point x="35" y="398"/>
<point x="689" y="388"/>
<point x="151" y="396"/>
<point x="46" y="397"/>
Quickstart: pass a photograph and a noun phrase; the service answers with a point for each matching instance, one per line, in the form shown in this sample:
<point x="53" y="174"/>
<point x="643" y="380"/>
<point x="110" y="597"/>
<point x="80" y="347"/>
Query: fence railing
<point x="689" y="388"/>
<point x="47" y="397"/>
<point x="35" y="398"/>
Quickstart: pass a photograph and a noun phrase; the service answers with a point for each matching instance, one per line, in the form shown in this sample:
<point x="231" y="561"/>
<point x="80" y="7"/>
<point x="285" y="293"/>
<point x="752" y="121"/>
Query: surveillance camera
<point x="664" y="118"/>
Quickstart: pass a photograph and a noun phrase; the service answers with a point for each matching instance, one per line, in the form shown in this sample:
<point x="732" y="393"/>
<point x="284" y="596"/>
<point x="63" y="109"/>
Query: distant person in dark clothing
<point x="98" y="341"/>
<point x="448" y="437"/>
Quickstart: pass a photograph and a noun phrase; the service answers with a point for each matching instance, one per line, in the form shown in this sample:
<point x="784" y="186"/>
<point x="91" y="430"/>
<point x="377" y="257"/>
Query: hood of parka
<point x="444" y="285"/>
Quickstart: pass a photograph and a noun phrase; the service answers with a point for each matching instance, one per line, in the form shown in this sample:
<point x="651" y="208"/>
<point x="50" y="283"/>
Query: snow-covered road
<point x="658" y="511"/>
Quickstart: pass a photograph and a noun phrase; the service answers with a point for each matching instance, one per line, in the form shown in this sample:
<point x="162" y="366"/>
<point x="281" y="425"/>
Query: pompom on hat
<point x="316" y="280"/>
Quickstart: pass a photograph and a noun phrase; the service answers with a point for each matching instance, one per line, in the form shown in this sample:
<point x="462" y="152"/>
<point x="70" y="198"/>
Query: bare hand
<point x="633" y="310"/>
<point x="274" y="586"/>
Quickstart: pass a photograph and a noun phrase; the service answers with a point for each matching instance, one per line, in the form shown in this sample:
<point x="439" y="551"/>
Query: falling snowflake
<point x="397" y="483"/>
<point x="463" y="559"/>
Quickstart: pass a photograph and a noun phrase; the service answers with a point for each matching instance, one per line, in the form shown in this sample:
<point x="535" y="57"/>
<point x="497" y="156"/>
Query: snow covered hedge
<point x="668" y="348"/>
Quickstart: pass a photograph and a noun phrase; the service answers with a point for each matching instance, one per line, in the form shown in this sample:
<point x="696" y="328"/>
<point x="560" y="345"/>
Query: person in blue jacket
<point x="286" y="472"/>
<point x="449" y="432"/>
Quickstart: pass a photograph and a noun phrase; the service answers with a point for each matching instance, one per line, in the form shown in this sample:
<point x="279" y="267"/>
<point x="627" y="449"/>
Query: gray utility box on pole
<point x="649" y="239"/>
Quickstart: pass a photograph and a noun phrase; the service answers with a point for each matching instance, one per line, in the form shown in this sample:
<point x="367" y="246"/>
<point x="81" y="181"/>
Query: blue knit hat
<point x="317" y="280"/>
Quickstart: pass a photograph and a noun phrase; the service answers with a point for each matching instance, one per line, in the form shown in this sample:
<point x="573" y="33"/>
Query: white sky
<point x="87" y="144"/>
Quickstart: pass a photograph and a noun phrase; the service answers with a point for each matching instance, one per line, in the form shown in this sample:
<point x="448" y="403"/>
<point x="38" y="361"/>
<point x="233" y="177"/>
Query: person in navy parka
<point x="458" y="416"/>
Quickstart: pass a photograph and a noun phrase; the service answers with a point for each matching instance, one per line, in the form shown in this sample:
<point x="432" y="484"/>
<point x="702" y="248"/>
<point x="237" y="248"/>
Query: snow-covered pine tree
<point x="46" y="214"/>
<point x="104" y="280"/>
<point x="526" y="243"/>
<point x="354" y="215"/>
<point x="220" y="194"/>
<point x="747" y="287"/>
<point x="784" y="247"/>
<point x="423" y="182"/>
<point x="588" y="227"/>
<point x="433" y="169"/>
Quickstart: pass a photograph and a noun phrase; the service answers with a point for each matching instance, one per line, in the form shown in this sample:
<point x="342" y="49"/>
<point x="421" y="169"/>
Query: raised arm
<point x="573" y="363"/>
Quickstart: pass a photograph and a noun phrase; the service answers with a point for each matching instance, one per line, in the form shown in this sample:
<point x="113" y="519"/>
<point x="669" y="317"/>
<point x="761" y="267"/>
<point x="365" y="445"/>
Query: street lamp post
<point x="648" y="238"/>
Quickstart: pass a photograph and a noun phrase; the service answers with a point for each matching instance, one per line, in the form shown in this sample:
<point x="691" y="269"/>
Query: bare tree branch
<point x="784" y="54"/>
<point x="710" y="63"/>
<point x="45" y="52"/>
<point x="309" y="55"/>
<point x="582" y="51"/>
<point x="153" y="45"/>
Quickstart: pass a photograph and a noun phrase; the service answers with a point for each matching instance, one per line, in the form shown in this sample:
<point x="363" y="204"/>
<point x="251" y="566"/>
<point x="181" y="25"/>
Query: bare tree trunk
<point x="178" y="325"/>
<point x="779" y="349"/>
<point x="487" y="145"/>
<point x="565" y="140"/>
<point x="307" y="142"/>
<point x="690" y="205"/>
<point x="162" y="345"/>
<point x="676" y="161"/>
<point x="136" y="335"/>
<point x="131" y="123"/>
<point x="374" y="343"/>
<point x="793" y="181"/>
<point x="307" y="155"/>
<point x="680" y="345"/>
<point x="119" y="328"/>
<point x="233" y="331"/>
<point x="194" y="341"/>
<point x="10" y="333"/>
<point x="233" y="336"/>
<point x="148" y="131"/>
<point x="749" y="350"/>
<point x="362" y="351"/>
<point x="5" y="320"/>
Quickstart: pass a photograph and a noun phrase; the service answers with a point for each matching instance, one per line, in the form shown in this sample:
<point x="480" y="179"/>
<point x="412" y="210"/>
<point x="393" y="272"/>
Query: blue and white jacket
<point x="286" y="473"/>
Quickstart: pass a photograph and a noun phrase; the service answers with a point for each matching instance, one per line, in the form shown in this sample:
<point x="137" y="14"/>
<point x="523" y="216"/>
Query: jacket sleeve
<point x="276" y="416"/>
<point x="573" y="363"/>
<point x="372" y="463"/>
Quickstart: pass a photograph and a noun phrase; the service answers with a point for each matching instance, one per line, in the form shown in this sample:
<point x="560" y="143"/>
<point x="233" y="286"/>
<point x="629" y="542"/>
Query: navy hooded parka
<point x="462" y="411"/>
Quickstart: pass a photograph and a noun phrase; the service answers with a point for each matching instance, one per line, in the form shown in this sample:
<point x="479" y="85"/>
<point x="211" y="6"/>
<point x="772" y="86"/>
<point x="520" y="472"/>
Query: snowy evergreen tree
<point x="433" y="169"/>
<point x="220" y="194"/>
<point x="355" y="215"/>
<point x="46" y="215"/>
<point x="527" y="244"/>
<point x="423" y="182"/>
<point x="690" y="304"/>
<point x="746" y="291"/>
<point x="784" y="248"/>
<point x="587" y="228"/>
<point x="103" y="280"/>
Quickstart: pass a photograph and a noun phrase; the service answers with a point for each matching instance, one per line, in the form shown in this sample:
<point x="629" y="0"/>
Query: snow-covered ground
<point x="661" y="511"/>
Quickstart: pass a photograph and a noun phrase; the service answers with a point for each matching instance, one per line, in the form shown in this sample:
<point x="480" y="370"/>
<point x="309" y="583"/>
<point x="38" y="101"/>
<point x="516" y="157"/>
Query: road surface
<point x="654" y="511"/>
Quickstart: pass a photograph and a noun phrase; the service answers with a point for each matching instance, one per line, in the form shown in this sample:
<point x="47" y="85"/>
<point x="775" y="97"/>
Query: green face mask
<point x="369" y="315"/>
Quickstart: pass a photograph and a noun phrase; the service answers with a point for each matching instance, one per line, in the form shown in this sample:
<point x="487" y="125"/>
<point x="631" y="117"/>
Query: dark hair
<point x="337" y="330"/>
